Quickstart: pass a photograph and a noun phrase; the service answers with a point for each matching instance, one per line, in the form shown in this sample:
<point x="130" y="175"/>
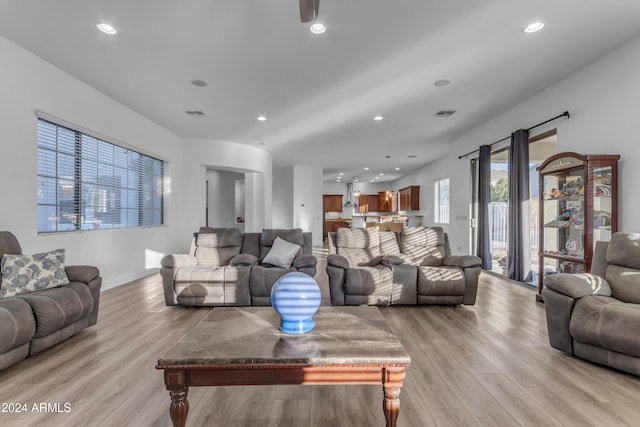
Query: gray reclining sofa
<point x="372" y="267"/>
<point x="225" y="267"/>
<point x="34" y="321"/>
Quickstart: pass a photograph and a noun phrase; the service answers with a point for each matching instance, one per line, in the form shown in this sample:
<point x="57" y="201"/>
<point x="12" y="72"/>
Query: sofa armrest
<point x="339" y="261"/>
<point x="305" y="261"/>
<point x="178" y="260"/>
<point x="82" y="273"/>
<point x="244" y="259"/>
<point x="577" y="285"/>
<point x="462" y="261"/>
<point x="391" y="260"/>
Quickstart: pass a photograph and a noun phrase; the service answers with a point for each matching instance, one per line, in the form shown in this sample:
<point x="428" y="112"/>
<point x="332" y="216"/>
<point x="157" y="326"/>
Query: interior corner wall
<point x="307" y="201"/>
<point x="200" y="154"/>
<point x="283" y="197"/>
<point x="29" y="84"/>
<point x="603" y="99"/>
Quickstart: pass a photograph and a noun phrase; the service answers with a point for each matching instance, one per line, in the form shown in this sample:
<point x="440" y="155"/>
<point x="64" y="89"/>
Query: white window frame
<point x="440" y="209"/>
<point x="87" y="183"/>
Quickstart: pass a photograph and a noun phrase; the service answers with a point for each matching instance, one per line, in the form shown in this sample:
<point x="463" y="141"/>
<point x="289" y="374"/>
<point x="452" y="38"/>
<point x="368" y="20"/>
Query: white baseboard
<point x="121" y="280"/>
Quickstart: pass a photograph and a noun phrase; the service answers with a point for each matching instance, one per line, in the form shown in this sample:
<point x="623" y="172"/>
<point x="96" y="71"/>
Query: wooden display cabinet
<point x="578" y="206"/>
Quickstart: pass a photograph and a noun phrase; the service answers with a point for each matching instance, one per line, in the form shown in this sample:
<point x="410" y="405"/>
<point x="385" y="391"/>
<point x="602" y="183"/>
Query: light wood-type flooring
<point x="484" y="365"/>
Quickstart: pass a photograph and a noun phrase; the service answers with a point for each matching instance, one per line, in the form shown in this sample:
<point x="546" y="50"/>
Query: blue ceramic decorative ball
<point x="296" y="298"/>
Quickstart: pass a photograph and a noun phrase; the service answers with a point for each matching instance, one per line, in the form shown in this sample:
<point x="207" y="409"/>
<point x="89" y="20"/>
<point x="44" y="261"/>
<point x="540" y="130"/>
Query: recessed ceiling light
<point x="397" y="169"/>
<point x="378" y="118"/>
<point x="199" y="83"/>
<point x="341" y="174"/>
<point x="366" y="169"/>
<point x="107" y="29"/>
<point x="317" y="28"/>
<point x="441" y="83"/>
<point x="533" y="27"/>
<point x="376" y="177"/>
<point x="262" y="119"/>
<point x="337" y="180"/>
<point x="381" y="174"/>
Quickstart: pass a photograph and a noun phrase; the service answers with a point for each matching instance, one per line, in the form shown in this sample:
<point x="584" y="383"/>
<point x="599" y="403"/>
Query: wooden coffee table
<point x="243" y="346"/>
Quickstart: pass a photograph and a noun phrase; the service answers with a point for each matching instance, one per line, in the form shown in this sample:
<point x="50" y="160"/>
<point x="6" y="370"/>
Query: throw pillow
<point x="27" y="273"/>
<point x="281" y="253"/>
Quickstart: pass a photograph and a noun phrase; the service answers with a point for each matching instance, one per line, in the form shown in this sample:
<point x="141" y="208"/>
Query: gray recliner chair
<point x="596" y="315"/>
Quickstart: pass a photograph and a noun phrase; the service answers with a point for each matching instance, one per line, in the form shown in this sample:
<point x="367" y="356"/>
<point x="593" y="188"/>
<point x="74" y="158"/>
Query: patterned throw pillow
<point x="27" y="273"/>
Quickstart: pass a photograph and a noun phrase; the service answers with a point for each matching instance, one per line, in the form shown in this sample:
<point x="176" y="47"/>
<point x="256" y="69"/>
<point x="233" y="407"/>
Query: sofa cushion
<point x="28" y="273"/>
<point x="263" y="278"/>
<point x="59" y="307"/>
<point x="624" y="250"/>
<point x="624" y="283"/>
<point x="216" y="247"/>
<point x="369" y="281"/>
<point x="17" y="324"/>
<point x="608" y="323"/>
<point x="281" y="254"/>
<point x="359" y="246"/>
<point x="423" y="246"/>
<point x="200" y="282"/>
<point x="389" y="243"/>
<point x="441" y="281"/>
<point x="269" y="235"/>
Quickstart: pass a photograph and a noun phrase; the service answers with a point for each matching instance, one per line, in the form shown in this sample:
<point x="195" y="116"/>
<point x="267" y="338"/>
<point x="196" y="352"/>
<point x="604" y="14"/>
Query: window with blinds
<point x="85" y="183"/>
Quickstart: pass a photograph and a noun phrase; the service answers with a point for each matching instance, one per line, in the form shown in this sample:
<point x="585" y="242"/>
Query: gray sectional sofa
<point x="32" y="322"/>
<point x="372" y="267"/>
<point x="596" y="315"/>
<point x="226" y="267"/>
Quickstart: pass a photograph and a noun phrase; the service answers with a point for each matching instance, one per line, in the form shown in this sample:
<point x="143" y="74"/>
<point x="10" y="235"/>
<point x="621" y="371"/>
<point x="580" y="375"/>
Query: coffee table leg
<point x="392" y="383"/>
<point x="179" y="406"/>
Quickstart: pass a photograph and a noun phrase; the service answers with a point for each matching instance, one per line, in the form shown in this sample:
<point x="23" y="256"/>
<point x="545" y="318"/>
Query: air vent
<point x="195" y="113"/>
<point x="444" y="113"/>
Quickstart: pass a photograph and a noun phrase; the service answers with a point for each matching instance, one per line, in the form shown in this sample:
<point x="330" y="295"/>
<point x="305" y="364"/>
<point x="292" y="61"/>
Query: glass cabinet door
<point x="602" y="203"/>
<point x="563" y="215"/>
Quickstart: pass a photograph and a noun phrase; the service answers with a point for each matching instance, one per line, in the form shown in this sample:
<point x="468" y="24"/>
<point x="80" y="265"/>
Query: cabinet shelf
<point x="578" y="206"/>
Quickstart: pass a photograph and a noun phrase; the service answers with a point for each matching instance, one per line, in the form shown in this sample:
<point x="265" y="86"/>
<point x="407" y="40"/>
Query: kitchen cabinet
<point x="332" y="202"/>
<point x="388" y="203"/>
<point x="409" y="198"/>
<point x="367" y="203"/>
<point x="578" y="207"/>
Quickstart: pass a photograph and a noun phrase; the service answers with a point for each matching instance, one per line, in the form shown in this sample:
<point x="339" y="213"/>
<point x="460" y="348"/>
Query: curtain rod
<point x="565" y="114"/>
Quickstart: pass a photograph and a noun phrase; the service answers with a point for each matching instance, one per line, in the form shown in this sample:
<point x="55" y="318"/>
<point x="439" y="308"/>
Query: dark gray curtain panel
<point x="484" y="198"/>
<point x="519" y="259"/>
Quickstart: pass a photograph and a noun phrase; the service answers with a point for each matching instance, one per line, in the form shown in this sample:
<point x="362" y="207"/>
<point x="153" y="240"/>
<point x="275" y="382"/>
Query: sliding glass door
<point x="540" y="148"/>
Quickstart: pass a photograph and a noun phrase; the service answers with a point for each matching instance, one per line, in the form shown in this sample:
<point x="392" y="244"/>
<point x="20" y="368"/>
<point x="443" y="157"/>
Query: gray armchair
<point x="595" y="316"/>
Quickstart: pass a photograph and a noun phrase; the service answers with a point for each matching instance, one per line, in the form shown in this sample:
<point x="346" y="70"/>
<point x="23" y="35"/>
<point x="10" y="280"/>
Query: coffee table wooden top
<point x="233" y="336"/>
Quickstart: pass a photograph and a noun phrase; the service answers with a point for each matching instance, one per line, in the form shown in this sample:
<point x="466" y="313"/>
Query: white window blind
<point x="85" y="183"/>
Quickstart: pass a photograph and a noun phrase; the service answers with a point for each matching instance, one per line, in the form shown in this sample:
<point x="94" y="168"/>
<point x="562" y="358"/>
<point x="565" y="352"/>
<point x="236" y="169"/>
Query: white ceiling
<point x="320" y="93"/>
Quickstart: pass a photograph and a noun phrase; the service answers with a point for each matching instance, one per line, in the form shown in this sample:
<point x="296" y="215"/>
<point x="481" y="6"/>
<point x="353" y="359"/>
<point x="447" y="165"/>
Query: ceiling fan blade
<point x="309" y="10"/>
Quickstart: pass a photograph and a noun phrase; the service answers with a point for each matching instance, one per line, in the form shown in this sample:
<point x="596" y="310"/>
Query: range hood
<point x="349" y="203"/>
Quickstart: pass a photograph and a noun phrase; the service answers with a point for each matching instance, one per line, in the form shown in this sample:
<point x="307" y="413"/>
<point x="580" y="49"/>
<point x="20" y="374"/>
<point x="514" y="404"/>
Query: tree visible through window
<point x="441" y="201"/>
<point x="85" y="183"/>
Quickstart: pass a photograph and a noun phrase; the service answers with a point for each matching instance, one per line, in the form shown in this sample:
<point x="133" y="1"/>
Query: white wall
<point x="222" y="197"/>
<point x="307" y="201"/>
<point x="604" y="102"/>
<point x="200" y="154"/>
<point x="283" y="197"/>
<point x="27" y="84"/>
